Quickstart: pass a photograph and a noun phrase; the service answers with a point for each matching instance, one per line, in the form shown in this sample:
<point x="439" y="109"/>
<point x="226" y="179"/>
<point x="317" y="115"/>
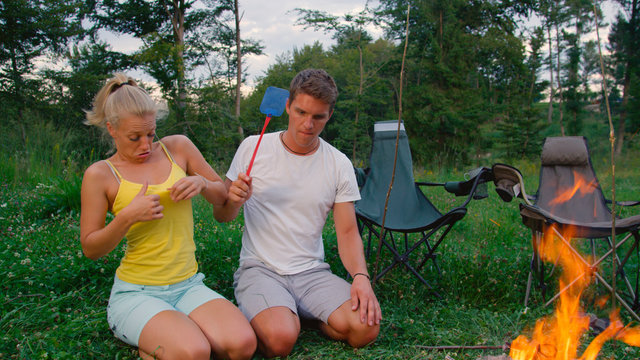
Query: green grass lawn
<point x="53" y="300"/>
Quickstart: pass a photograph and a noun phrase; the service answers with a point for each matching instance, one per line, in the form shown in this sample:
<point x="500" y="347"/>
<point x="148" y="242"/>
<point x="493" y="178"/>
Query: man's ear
<point x="287" y="105"/>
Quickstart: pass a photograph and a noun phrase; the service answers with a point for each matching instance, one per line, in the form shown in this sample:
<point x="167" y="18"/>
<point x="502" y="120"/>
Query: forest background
<point x="479" y="86"/>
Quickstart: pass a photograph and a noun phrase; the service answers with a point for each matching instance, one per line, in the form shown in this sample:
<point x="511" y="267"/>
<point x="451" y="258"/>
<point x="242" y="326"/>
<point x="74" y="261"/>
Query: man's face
<point x="307" y="117"/>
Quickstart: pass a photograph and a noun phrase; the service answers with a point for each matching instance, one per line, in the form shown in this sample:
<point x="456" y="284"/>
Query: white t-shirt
<point x="292" y="196"/>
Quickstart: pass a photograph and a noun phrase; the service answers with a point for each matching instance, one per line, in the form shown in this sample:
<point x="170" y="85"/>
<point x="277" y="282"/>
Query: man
<point x="296" y="179"/>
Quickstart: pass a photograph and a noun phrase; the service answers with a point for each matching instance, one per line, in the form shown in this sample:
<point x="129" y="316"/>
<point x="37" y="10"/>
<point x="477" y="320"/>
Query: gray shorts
<point x="311" y="294"/>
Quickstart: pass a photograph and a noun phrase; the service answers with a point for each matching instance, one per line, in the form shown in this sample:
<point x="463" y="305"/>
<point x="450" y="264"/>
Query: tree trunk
<point x="17" y="93"/>
<point x="560" y="101"/>
<point x="236" y="11"/>
<point x="358" y="99"/>
<point x="551" y="94"/>
<point x="627" y="80"/>
<point x="177" y="20"/>
<point x="623" y="114"/>
<point x="441" y="30"/>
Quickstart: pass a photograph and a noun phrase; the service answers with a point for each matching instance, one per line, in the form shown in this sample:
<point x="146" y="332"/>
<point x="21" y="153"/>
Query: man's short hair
<point x="314" y="82"/>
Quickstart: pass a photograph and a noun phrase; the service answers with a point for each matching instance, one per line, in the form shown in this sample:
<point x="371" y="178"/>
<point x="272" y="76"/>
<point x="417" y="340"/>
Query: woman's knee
<point x="197" y="350"/>
<point x="189" y="350"/>
<point x="242" y="345"/>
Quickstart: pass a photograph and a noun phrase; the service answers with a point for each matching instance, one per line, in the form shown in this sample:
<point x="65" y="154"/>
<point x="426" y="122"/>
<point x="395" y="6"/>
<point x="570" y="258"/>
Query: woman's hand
<point x="145" y="207"/>
<point x="187" y="187"/>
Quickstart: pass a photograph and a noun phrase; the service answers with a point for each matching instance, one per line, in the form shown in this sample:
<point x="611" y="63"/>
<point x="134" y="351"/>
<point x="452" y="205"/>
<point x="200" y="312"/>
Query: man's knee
<point x="277" y="330"/>
<point x="344" y="324"/>
<point x="278" y="340"/>
<point x="362" y="334"/>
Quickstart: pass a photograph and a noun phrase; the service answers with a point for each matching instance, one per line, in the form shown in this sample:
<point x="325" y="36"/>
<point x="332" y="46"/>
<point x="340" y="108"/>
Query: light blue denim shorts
<point x="131" y="306"/>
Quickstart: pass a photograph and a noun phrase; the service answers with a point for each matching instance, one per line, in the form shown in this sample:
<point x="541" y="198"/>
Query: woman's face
<point x="134" y="136"/>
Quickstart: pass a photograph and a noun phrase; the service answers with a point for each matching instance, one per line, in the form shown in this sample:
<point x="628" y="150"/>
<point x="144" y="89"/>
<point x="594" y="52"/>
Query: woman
<point x="158" y="301"/>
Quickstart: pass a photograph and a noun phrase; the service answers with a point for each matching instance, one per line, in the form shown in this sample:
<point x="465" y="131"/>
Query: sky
<point x="272" y="23"/>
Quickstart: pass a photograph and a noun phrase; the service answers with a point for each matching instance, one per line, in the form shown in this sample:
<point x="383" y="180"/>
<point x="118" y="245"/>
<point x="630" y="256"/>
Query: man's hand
<point x="240" y="189"/>
<point x="362" y="297"/>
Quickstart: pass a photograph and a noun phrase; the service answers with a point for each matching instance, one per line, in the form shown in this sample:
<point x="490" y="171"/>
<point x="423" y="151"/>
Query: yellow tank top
<point x="162" y="251"/>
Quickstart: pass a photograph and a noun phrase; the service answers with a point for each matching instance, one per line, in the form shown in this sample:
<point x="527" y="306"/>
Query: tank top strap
<point x="166" y="151"/>
<point x="115" y="172"/>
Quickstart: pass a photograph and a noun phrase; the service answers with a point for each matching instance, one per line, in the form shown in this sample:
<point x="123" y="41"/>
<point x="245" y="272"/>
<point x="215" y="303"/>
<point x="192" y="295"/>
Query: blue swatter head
<point x="274" y="101"/>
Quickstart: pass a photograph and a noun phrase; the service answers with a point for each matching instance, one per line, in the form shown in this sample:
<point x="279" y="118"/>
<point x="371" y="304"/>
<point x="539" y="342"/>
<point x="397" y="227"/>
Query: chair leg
<point x="596" y="272"/>
<point x="537" y="264"/>
<point x="632" y="292"/>
<point x="528" y="291"/>
<point x="430" y="255"/>
<point x="388" y="241"/>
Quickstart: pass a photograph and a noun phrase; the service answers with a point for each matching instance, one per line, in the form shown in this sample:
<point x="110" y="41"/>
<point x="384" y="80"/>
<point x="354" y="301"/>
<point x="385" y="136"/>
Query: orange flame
<point x="558" y="337"/>
<point x="579" y="185"/>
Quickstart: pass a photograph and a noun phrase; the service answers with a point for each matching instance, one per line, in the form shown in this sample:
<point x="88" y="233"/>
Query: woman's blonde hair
<point x="120" y="96"/>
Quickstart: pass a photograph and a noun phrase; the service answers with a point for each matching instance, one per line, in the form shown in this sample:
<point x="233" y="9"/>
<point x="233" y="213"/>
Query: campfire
<point x="558" y="336"/>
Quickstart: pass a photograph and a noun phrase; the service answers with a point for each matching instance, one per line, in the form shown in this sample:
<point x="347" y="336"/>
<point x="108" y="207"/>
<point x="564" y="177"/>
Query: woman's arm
<point x="97" y="239"/>
<point x="202" y="178"/>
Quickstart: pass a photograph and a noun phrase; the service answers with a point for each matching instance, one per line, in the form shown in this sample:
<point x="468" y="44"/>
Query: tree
<point x="32" y="29"/>
<point x="590" y="67"/>
<point x="521" y="132"/>
<point x="626" y="52"/>
<point x="464" y="69"/>
<point x="581" y="12"/>
<point x="163" y="26"/>
<point x="71" y="90"/>
<point x="179" y="37"/>
<point x="349" y="32"/>
<point x="220" y="43"/>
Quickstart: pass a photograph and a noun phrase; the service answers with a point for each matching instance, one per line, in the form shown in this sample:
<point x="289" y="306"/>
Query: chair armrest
<point x="475" y="187"/>
<point x="623" y="203"/>
<point x="361" y="175"/>
<point x="422" y="183"/>
<point x="509" y="183"/>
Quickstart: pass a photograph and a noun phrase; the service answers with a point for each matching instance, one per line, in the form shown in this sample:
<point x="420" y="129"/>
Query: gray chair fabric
<point x="565" y="163"/>
<point x="569" y="195"/>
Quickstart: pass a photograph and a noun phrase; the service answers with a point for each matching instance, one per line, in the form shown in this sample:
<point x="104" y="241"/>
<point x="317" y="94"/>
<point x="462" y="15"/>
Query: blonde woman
<point x="158" y="301"/>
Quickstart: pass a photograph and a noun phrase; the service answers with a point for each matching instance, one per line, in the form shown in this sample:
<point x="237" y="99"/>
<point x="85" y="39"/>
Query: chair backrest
<point x="408" y="207"/>
<point x="568" y="185"/>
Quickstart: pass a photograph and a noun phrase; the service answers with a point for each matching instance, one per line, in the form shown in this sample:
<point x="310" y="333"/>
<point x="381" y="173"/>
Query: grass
<point x="53" y="300"/>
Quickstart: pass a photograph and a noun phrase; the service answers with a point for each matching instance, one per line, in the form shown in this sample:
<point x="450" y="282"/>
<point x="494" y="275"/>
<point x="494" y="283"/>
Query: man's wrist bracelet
<point x="363" y="274"/>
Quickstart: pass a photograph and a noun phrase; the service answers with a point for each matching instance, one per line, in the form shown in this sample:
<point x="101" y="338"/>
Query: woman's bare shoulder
<point x="99" y="170"/>
<point x="179" y="145"/>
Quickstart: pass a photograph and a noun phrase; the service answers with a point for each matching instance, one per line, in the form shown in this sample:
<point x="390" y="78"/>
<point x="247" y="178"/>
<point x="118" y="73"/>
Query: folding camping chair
<point x="566" y="164"/>
<point x="409" y="211"/>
